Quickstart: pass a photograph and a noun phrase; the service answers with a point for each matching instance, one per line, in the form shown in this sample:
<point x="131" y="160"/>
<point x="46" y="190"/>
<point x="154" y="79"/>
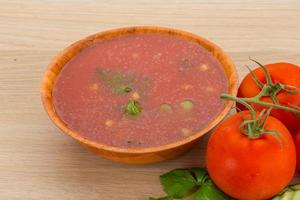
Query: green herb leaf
<point x="161" y="198"/>
<point x="200" y="175"/>
<point x="190" y="184"/>
<point x="133" y="107"/>
<point x="178" y="183"/>
<point x="209" y="191"/>
<point x="119" y="81"/>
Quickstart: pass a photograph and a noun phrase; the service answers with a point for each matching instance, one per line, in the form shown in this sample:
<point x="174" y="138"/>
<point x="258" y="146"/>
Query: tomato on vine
<point x="297" y="144"/>
<point x="278" y="84"/>
<point x="251" y="155"/>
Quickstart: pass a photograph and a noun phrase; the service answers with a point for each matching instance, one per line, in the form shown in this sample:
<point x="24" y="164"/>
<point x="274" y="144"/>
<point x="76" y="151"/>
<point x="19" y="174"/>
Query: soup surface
<point x="140" y="90"/>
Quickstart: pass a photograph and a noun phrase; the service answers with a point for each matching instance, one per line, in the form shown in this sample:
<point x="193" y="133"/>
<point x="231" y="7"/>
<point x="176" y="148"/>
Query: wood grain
<point x="36" y="161"/>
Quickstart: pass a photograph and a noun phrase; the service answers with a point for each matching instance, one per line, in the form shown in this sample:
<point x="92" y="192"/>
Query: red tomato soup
<point x="140" y="90"/>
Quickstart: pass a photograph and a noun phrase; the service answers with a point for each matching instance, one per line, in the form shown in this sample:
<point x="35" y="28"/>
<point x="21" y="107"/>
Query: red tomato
<point x="285" y="73"/>
<point x="297" y="144"/>
<point x="250" y="169"/>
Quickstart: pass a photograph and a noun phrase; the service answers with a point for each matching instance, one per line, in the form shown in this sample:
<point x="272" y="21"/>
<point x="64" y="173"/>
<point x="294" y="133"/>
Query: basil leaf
<point x="178" y="183"/>
<point x="133" y="107"/>
<point x="119" y="81"/>
<point x="161" y="198"/>
<point x="209" y="191"/>
<point x="200" y="175"/>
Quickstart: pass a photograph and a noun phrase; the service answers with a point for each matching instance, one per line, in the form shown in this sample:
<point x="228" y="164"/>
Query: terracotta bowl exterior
<point x="138" y="155"/>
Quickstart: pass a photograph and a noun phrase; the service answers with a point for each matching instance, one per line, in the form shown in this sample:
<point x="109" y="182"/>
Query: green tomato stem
<point x="256" y="100"/>
<point x="254" y="127"/>
<point x="241" y="101"/>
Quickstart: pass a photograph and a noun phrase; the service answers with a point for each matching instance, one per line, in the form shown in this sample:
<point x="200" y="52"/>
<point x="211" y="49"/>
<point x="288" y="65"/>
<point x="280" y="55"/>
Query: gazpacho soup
<point x="140" y="90"/>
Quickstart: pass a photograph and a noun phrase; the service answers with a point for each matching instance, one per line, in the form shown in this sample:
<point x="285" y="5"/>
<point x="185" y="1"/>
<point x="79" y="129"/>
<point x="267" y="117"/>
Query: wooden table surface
<point x="36" y="160"/>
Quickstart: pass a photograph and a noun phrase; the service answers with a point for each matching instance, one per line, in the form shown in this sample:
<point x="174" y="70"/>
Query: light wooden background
<point x="36" y="160"/>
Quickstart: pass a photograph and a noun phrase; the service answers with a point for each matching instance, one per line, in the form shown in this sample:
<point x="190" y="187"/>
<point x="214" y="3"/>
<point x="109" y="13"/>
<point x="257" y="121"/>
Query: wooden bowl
<point x="129" y="155"/>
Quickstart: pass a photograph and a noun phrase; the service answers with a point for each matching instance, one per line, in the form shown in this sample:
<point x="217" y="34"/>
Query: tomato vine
<point x="254" y="127"/>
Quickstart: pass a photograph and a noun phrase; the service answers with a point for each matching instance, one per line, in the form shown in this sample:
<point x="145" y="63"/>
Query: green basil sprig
<point x="190" y="184"/>
<point x="133" y="108"/>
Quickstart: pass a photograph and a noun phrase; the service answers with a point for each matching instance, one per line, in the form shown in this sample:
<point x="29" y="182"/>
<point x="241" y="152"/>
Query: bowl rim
<point x="50" y="76"/>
